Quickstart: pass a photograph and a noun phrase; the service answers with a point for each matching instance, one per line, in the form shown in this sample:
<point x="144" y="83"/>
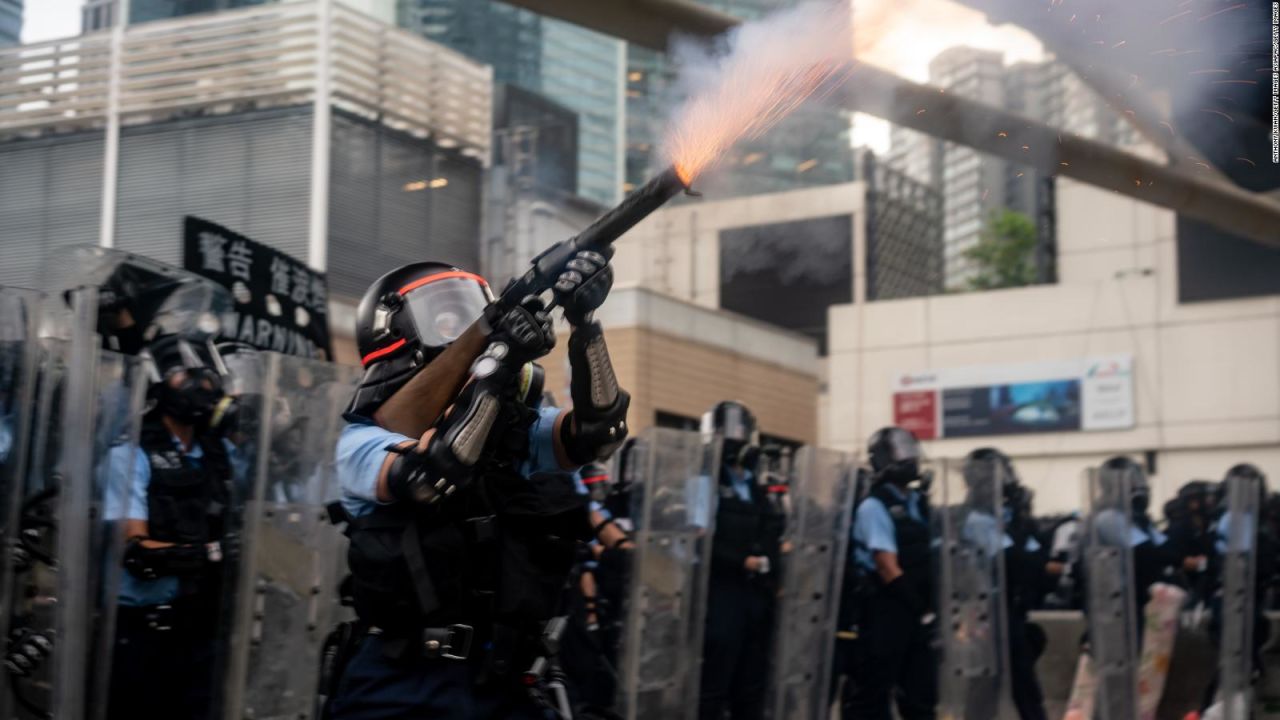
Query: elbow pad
<point x="458" y="443"/>
<point x="147" y="563"/>
<point x="599" y="406"/>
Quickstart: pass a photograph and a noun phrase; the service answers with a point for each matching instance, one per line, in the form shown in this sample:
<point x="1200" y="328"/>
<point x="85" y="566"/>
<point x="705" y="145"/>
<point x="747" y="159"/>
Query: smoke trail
<point x="746" y="81"/>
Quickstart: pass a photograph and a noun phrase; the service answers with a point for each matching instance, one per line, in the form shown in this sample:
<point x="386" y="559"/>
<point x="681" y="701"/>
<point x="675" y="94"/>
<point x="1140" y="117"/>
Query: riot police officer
<point x="1028" y="570"/>
<point x="171" y="493"/>
<point x="893" y="654"/>
<point x="745" y="554"/>
<point x="462" y="539"/>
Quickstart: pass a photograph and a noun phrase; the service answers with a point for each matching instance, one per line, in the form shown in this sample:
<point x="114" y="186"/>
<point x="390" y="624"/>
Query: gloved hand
<point x="526" y="331"/>
<point x="584" y="285"/>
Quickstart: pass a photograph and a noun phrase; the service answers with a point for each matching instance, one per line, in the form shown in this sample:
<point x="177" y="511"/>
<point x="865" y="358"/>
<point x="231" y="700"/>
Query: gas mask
<point x="187" y="384"/>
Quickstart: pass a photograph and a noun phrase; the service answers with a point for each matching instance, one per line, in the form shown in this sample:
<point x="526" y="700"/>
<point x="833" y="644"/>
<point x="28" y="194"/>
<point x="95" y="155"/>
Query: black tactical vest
<point x="915" y="544"/>
<point x="745" y="528"/>
<point x="186" y="500"/>
<point x="496" y="554"/>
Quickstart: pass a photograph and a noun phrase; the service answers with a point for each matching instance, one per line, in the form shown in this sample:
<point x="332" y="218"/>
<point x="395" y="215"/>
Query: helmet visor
<point x="444" y="305"/>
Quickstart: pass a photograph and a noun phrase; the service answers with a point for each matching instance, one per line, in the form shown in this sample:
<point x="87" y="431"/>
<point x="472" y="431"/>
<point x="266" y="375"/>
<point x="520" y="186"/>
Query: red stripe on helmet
<point x="594" y="479"/>
<point x="777" y="488"/>
<point x="383" y="351"/>
<point x="442" y="276"/>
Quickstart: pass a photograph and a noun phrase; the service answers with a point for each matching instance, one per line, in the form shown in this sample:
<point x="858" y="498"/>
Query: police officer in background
<point x="462" y="540"/>
<point x="745" y="553"/>
<point x="893" y="656"/>
<point x="1028" y="572"/>
<point x="171" y="493"/>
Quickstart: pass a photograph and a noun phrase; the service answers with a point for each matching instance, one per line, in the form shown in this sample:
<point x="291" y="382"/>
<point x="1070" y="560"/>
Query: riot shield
<point x="1238" y="534"/>
<point x="19" y="354"/>
<point x="1110" y="599"/>
<point x="673" y="504"/>
<point x="67" y="561"/>
<point x="972" y="604"/>
<point x="815" y="546"/>
<point x="292" y="558"/>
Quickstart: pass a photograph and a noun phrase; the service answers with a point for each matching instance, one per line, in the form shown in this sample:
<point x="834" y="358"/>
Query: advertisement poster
<point x="1094" y="393"/>
<point x="280" y="303"/>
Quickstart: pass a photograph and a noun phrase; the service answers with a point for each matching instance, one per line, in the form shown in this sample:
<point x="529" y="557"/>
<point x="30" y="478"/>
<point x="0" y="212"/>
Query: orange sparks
<point x="1218" y="112"/>
<point x="1175" y="17"/>
<point x="1247" y="160"/>
<point x="759" y="82"/>
<point x="1219" y="12"/>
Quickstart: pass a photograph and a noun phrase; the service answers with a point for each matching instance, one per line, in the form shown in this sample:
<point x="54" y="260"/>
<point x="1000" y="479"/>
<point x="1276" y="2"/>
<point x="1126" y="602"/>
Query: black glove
<point x="584" y="285"/>
<point x="525" y="330"/>
<point x="901" y="590"/>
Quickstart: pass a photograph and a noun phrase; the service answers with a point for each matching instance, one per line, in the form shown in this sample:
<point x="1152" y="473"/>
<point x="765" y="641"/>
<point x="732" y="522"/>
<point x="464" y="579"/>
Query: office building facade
<point x="10" y="22"/>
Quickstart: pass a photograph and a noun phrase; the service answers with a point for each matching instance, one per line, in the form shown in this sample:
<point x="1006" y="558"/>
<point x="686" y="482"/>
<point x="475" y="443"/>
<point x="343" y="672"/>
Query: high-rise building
<point x="100" y="14"/>
<point x="809" y="148"/>
<point x="10" y="22"/>
<point x="573" y="67"/>
<point x="972" y="183"/>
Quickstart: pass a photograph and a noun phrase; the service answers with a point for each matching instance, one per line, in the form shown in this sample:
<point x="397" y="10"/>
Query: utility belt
<point x="183" y="616"/>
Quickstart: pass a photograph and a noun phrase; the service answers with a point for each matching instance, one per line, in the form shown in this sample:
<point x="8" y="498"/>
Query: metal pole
<point x="321" y="132"/>
<point x="111" y="154"/>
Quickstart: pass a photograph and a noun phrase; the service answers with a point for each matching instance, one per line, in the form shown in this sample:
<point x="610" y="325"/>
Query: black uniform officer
<point x="745" y="554"/>
<point x="893" y="656"/>
<point x="171" y="493"/>
<point x="462" y="540"/>
<point x="1190" y="516"/>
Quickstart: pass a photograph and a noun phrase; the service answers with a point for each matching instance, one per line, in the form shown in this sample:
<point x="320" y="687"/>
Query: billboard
<point x="1094" y="393"/>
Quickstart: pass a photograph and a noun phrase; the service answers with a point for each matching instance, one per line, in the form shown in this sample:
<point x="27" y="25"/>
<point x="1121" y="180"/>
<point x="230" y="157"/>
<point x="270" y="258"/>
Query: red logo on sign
<point x="917" y="411"/>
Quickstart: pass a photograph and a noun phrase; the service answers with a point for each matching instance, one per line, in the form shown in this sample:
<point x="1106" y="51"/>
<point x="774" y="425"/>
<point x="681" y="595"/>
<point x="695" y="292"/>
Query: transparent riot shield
<point x="972" y="604"/>
<point x="815" y="546"/>
<point x="71" y="511"/>
<point x="1238" y="535"/>
<point x="19" y="355"/>
<point x="673" y="502"/>
<point x="292" y="558"/>
<point x="1110" y="597"/>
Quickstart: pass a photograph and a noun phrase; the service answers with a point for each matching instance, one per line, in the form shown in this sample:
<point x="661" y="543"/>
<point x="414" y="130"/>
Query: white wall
<point x="1207" y="375"/>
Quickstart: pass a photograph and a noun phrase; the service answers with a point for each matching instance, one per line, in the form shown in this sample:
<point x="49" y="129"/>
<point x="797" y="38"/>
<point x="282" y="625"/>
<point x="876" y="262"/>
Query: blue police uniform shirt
<point x="1223" y="530"/>
<point x="362" y="448"/>
<point x="128" y="479"/>
<point x="741" y="482"/>
<point x="1111" y="531"/>
<point x="873" y="527"/>
<point x="980" y="528"/>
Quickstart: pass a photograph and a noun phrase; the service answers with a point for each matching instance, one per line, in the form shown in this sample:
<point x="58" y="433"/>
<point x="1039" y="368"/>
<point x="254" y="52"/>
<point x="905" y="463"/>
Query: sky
<point x="901" y="35"/>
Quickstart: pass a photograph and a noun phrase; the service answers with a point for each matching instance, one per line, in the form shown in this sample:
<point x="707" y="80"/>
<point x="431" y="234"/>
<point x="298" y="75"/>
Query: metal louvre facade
<point x="50" y="199"/>
<point x="395" y="199"/>
<point x="249" y="172"/>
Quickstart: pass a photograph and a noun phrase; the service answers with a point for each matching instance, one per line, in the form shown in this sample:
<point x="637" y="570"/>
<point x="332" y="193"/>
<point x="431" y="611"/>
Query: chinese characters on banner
<point x="280" y="303"/>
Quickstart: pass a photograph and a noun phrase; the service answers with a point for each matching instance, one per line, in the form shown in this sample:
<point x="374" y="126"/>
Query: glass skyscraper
<point x="10" y="22"/>
<point x="576" y="68"/>
<point x="811" y="147"/>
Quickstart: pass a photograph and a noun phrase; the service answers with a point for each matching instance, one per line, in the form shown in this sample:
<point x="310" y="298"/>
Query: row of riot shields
<point x="673" y="514"/>
<point x="74" y="400"/>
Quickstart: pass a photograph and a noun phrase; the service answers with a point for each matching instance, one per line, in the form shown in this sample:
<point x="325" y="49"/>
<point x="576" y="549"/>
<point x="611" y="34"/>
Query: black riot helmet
<point x="1122" y="474"/>
<point x="988" y="471"/>
<point x="186" y="378"/>
<point x="407" y="318"/>
<point x="895" y="455"/>
<point x="736" y="425"/>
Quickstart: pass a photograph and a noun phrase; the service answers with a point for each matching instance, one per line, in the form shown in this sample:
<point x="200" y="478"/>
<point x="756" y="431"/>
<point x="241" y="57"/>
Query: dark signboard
<point x="280" y="303"/>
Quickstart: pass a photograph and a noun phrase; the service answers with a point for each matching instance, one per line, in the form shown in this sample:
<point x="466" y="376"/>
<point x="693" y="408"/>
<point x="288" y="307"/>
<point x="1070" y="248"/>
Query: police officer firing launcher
<point x="462" y="539"/>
